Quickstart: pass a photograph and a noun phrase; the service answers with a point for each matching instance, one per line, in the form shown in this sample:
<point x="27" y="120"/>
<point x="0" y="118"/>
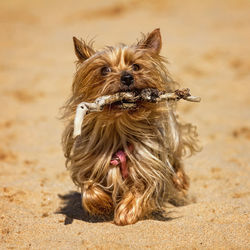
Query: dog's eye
<point x="136" y="67"/>
<point x="105" y="70"/>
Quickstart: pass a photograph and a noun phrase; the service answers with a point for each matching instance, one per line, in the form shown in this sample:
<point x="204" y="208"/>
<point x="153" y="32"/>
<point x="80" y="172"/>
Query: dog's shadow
<point x="72" y="208"/>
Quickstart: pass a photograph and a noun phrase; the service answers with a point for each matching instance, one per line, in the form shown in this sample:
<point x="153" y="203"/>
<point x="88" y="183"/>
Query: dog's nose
<point x="127" y="79"/>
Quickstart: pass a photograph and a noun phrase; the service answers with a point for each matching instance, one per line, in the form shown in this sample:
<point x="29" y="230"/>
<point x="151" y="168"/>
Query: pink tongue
<point x="123" y="160"/>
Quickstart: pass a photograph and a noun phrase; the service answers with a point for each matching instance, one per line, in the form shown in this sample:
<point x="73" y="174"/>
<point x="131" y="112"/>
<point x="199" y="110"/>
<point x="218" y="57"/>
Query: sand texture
<point x="207" y="44"/>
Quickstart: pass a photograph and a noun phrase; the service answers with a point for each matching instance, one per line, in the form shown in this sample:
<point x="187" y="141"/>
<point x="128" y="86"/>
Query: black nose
<point x="127" y="79"/>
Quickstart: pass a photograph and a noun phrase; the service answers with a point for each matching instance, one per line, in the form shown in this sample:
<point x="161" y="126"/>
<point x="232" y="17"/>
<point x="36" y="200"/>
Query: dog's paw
<point x="96" y="201"/>
<point x="181" y="180"/>
<point x="128" y="211"/>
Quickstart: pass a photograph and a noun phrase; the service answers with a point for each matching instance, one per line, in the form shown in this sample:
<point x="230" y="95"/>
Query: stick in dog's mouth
<point x="124" y="104"/>
<point x="128" y="100"/>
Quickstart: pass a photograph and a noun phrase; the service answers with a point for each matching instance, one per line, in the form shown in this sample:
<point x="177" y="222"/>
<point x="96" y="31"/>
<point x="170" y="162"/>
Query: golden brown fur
<point x="159" y="141"/>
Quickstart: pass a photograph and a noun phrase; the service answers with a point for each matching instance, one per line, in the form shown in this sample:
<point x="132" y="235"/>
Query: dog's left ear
<point x="152" y="41"/>
<point x="83" y="50"/>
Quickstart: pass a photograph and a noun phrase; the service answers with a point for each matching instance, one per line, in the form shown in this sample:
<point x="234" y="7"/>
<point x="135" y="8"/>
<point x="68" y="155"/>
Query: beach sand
<point x="207" y="45"/>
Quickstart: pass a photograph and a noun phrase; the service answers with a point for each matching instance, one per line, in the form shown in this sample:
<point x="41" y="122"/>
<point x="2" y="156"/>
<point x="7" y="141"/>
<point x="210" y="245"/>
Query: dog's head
<point x="120" y="68"/>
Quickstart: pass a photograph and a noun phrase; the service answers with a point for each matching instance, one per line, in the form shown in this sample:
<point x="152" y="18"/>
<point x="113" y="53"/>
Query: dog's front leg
<point x="130" y="209"/>
<point x="95" y="200"/>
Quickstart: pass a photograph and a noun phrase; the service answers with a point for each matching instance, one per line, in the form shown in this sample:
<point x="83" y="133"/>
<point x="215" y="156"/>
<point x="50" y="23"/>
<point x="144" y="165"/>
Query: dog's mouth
<point x="125" y="104"/>
<point x="135" y="99"/>
<point x="128" y="103"/>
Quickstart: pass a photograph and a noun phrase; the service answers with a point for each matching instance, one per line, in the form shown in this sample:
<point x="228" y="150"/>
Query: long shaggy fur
<point x="159" y="141"/>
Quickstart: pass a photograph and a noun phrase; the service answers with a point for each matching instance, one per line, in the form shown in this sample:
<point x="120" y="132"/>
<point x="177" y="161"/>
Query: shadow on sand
<point x="72" y="209"/>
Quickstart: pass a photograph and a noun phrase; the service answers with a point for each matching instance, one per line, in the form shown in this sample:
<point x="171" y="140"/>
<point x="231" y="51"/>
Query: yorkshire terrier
<point x="127" y="162"/>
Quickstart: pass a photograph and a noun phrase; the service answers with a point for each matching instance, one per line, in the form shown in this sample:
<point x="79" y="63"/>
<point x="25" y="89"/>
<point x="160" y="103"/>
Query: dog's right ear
<point x="83" y="50"/>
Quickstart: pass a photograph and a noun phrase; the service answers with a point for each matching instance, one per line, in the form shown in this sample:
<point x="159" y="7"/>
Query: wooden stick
<point x="128" y="101"/>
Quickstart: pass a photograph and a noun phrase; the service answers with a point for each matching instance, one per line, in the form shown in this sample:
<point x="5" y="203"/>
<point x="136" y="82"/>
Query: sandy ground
<point x="207" y="44"/>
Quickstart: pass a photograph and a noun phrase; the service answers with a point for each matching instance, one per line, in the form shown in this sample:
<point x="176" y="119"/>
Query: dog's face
<point x="121" y="68"/>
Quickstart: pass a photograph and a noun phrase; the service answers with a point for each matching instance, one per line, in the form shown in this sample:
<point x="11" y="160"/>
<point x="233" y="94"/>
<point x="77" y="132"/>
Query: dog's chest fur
<point x="102" y="137"/>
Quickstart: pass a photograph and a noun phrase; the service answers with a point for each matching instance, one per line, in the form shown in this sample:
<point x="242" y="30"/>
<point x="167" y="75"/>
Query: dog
<point x="127" y="162"/>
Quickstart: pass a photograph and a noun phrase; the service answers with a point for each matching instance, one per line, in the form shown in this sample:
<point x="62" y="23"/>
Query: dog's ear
<point x="83" y="50"/>
<point x="152" y="41"/>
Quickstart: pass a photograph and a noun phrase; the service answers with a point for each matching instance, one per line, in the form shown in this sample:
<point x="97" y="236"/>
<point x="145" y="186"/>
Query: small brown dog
<point x="126" y="161"/>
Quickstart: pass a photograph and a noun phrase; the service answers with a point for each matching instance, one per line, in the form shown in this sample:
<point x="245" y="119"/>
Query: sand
<point x="207" y="45"/>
